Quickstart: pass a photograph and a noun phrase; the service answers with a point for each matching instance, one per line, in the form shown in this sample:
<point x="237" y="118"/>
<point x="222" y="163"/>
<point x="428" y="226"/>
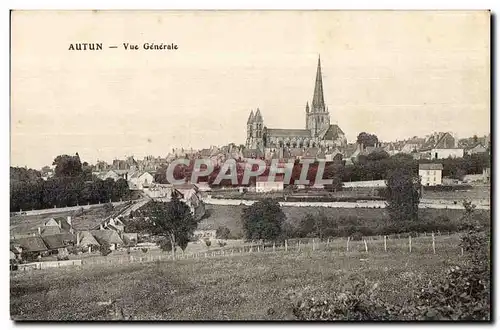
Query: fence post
<point x="462" y="251"/>
<point x="385" y="243"/>
<point x="366" y="246"/>
<point x="298" y="245"/>
<point x="328" y="242"/>
<point x="286" y="245"/>
<point x="433" y="244"/>
<point x="274" y="247"/>
<point x="409" y="242"/>
<point x="348" y="239"/>
<point x="313" y="245"/>
<point x="258" y="248"/>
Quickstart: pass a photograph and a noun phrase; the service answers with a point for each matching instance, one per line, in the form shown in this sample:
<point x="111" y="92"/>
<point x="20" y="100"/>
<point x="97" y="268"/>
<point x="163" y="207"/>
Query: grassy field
<point x="259" y="286"/>
<point x="230" y="216"/>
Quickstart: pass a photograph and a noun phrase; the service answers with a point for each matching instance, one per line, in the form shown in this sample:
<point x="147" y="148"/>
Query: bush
<point x="222" y="232"/>
<point x="105" y="249"/>
<point x="73" y="250"/>
<point x="463" y="293"/>
<point x="357" y="236"/>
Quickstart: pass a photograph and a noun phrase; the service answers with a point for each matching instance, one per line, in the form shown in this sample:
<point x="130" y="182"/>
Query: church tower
<point x="250" y="129"/>
<point x="255" y="128"/>
<point x="317" y="117"/>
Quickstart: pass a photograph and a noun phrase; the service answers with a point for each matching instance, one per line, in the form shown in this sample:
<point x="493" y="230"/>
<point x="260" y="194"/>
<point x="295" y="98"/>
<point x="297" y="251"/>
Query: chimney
<point x="77" y="238"/>
<point x="39" y="231"/>
<point x="59" y="223"/>
<point x="69" y="219"/>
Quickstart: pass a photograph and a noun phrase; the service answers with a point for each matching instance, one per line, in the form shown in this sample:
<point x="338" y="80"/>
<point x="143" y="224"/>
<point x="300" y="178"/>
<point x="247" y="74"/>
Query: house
<point x="487" y="175"/>
<point x="477" y="149"/>
<point x="140" y="180"/>
<point x="437" y="153"/>
<point x="34" y="244"/>
<point x="56" y="226"/>
<point x="157" y="190"/>
<point x="430" y="174"/>
<point x="130" y="238"/>
<point x="191" y="195"/>
<point x="262" y="184"/>
<point x="114" y="174"/>
<point x="57" y="243"/>
<point x="87" y="240"/>
<point x="439" y="146"/>
<point x="109" y="237"/>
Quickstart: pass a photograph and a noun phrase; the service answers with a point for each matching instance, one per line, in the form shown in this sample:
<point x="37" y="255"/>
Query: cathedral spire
<point x="250" y="118"/>
<point x="318" y="103"/>
<point x="258" y="116"/>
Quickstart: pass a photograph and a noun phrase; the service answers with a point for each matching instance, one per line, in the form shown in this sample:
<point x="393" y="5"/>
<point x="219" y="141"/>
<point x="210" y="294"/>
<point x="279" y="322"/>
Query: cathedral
<point x="318" y="132"/>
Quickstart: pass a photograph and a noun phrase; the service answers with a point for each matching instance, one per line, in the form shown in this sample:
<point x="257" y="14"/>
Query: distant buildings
<point x="263" y="184"/>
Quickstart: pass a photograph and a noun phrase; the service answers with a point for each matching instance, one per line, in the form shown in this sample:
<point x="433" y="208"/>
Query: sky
<point x="393" y="74"/>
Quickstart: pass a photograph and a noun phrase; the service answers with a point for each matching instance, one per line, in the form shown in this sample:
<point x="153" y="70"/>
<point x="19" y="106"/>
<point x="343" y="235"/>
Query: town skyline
<point x="116" y="104"/>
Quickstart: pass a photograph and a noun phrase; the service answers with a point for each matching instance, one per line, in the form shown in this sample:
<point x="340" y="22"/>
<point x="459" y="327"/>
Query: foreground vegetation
<point x="263" y="286"/>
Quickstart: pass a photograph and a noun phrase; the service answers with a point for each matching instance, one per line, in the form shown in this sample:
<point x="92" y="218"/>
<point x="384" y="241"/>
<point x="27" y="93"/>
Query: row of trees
<point x="72" y="184"/>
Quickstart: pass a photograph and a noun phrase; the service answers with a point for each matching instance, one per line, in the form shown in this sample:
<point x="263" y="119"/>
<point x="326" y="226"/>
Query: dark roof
<point x="283" y="132"/>
<point x="106" y="236"/>
<point x="50" y="230"/>
<point x="65" y="225"/>
<point x="250" y="153"/>
<point x="32" y="244"/>
<point x="333" y="133"/>
<point x="430" y="166"/>
<point x="57" y="241"/>
<point x="87" y="239"/>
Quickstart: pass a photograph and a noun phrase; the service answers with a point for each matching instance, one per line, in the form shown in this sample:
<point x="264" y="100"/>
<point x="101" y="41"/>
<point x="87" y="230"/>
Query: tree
<point x="222" y="232"/>
<point x="367" y="139"/>
<point x="68" y="166"/>
<point x="263" y="220"/>
<point x="172" y="220"/>
<point x="314" y="225"/>
<point x="334" y="171"/>
<point x="403" y="194"/>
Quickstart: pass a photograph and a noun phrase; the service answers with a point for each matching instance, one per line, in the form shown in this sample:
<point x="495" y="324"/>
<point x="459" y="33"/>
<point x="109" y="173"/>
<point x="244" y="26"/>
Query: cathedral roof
<point x="331" y="133"/>
<point x="288" y="132"/>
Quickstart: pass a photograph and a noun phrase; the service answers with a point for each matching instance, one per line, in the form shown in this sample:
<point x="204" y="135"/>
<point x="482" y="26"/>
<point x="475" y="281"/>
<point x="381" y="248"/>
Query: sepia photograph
<point x="242" y="165"/>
